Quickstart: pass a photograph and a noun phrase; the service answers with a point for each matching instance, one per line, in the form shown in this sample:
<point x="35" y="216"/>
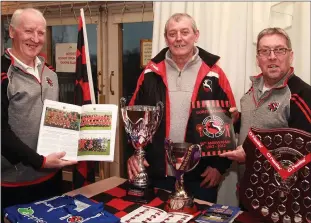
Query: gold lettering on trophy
<point x="186" y="160"/>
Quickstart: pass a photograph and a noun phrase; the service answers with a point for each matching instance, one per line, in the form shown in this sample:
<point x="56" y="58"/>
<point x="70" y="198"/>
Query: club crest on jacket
<point x="207" y="85"/>
<point x="49" y="81"/>
<point x="273" y="106"/>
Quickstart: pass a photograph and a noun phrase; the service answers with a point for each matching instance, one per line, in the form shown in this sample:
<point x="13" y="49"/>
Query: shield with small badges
<point x="276" y="185"/>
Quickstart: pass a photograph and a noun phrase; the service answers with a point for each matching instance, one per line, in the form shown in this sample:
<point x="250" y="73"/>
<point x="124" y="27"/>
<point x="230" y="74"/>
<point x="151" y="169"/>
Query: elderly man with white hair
<point x="26" y="82"/>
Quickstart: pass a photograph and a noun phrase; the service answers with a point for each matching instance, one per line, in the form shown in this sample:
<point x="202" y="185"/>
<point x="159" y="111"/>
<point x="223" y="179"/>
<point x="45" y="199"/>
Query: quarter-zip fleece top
<point x="22" y="97"/>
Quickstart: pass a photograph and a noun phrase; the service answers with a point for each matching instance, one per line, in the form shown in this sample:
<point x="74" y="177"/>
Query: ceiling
<point x="66" y="8"/>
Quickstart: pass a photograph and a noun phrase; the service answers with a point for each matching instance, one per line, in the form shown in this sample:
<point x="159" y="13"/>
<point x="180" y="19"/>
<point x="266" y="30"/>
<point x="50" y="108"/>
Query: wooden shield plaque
<point x="276" y="185"/>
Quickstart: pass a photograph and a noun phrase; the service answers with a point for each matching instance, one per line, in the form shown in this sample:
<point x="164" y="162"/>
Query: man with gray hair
<point x="277" y="98"/>
<point x="263" y="106"/>
<point x="179" y="75"/>
<point x="26" y="81"/>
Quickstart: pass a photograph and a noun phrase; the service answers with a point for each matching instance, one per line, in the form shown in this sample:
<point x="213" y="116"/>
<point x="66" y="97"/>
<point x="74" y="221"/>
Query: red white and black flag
<point x="84" y="171"/>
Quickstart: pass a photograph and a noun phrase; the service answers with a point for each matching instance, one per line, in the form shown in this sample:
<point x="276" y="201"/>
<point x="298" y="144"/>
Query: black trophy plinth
<point x="139" y="195"/>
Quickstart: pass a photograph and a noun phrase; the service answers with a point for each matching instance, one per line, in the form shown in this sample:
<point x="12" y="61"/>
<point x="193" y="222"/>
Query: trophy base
<point x="184" y="205"/>
<point x="139" y="195"/>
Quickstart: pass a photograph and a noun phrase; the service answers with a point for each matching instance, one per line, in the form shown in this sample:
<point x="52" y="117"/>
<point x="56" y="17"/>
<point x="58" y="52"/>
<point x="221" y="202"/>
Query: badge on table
<point x="183" y="157"/>
<point x="213" y="126"/>
<point x="277" y="184"/>
<point x="140" y="123"/>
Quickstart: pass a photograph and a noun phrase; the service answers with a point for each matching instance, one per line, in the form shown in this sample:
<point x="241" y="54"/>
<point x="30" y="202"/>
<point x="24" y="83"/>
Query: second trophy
<point x="140" y="123"/>
<point x="183" y="157"/>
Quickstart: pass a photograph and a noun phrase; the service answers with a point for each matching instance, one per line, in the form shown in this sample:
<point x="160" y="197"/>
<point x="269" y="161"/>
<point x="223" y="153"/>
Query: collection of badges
<point x="277" y="184"/>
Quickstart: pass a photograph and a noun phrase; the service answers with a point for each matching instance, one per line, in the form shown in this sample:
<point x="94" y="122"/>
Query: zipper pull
<point x="178" y="83"/>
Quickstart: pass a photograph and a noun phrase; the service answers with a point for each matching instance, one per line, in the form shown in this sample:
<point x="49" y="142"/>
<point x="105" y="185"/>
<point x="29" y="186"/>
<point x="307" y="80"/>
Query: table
<point x="98" y="187"/>
<point x="104" y="185"/>
<point x="107" y="184"/>
<point x="95" y="188"/>
<point x="112" y="182"/>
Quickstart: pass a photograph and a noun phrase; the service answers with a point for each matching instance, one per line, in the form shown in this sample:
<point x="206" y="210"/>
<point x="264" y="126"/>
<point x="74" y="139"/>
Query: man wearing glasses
<point x="277" y="98"/>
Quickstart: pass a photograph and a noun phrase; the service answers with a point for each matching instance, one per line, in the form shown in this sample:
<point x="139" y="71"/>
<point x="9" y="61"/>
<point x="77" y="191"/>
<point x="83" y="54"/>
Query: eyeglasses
<point x="277" y="52"/>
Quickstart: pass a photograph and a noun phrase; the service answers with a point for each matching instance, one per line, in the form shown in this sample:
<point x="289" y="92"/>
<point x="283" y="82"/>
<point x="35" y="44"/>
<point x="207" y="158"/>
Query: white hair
<point x="15" y="20"/>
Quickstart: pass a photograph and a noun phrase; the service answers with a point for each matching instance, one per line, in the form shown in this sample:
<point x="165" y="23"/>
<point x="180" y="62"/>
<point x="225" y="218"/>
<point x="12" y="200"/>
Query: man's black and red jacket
<point x="152" y="87"/>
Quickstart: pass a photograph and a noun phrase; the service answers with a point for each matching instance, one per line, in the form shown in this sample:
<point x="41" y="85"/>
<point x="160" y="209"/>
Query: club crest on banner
<point x="207" y="85"/>
<point x="212" y="126"/>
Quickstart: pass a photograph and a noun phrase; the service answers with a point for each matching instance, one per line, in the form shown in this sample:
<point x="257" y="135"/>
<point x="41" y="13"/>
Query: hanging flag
<point x="84" y="171"/>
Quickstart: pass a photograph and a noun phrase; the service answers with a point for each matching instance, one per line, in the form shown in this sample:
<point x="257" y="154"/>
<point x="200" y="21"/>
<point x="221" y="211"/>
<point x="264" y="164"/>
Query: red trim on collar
<point x="203" y="71"/>
<point x="12" y="59"/>
<point x="225" y="85"/>
<point x="40" y="73"/>
<point x="43" y="55"/>
<point x="258" y="76"/>
<point x="291" y="72"/>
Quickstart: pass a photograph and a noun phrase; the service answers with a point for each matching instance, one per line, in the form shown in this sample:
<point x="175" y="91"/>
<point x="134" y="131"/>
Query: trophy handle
<point x="122" y="102"/>
<point x="124" y="112"/>
<point x="197" y="155"/>
<point x="160" y="105"/>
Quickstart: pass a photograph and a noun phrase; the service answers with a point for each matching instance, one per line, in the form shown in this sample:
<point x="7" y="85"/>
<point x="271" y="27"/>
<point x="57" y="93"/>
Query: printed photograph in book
<point x="213" y="126"/>
<point x="94" y="146"/>
<point x="84" y="132"/>
<point x="62" y="119"/>
<point x="96" y="120"/>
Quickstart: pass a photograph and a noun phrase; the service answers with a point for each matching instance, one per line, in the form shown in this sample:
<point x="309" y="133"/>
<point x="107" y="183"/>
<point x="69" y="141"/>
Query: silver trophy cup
<point x="141" y="122"/>
<point x="183" y="157"/>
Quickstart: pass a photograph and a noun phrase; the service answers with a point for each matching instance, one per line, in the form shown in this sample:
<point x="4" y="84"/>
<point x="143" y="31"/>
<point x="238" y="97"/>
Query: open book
<point x="151" y="214"/>
<point x="84" y="132"/>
